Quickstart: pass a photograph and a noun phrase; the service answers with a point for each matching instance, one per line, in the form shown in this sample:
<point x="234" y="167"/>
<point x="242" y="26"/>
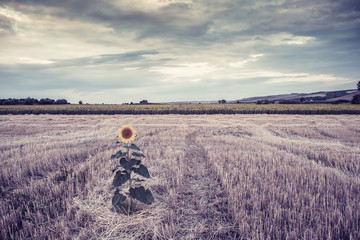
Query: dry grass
<point x="213" y="177"/>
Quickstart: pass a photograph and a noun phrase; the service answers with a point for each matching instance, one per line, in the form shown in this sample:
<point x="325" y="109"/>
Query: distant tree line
<point x="32" y="101"/>
<point x="142" y="102"/>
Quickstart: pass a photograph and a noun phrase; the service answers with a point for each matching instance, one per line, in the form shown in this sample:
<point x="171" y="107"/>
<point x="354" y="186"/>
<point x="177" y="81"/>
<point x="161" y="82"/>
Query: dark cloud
<point x="124" y="59"/>
<point x="166" y="22"/>
<point x="182" y="22"/>
<point x="298" y="17"/>
<point x="6" y="26"/>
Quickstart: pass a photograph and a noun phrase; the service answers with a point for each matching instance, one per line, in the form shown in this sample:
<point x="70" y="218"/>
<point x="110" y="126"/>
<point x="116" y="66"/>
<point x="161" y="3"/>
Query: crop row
<point x="306" y="109"/>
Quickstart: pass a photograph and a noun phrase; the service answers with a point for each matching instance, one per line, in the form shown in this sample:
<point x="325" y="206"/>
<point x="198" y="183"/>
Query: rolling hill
<point x="316" y="97"/>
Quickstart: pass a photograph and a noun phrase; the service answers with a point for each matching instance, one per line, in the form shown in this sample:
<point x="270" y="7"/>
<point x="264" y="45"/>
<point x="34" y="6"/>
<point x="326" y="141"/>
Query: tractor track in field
<point x="201" y="198"/>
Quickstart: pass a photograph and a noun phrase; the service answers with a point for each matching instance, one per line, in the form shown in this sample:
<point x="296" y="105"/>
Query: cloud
<point x="252" y="58"/>
<point x="12" y="15"/>
<point x="191" y="71"/>
<point x="27" y="60"/>
<point x="97" y="48"/>
<point x="309" y="78"/>
<point x="123" y="59"/>
<point x="126" y="70"/>
<point x="287" y="39"/>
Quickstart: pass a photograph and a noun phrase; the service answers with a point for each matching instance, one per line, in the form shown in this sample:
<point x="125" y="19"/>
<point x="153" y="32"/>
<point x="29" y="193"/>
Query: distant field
<point x="213" y="177"/>
<point x="184" y="109"/>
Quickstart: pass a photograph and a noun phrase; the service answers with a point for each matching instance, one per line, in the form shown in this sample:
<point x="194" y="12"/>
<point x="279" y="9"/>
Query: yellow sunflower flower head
<point x="127" y="133"/>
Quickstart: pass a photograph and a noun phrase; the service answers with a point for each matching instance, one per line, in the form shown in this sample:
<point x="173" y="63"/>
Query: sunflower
<point x="127" y="133"/>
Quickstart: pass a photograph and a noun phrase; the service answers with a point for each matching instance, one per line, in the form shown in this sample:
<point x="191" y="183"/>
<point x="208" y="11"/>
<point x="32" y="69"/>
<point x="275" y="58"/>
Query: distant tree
<point x="143" y="102"/>
<point x="358" y="85"/>
<point x="356" y="99"/>
<point x="341" y="101"/>
<point x="31" y="101"/>
<point x="335" y="94"/>
<point x="80" y="102"/>
<point x="61" y="101"/>
<point x="288" y="101"/>
<point x="46" y="101"/>
<point x="8" y="101"/>
<point x="12" y="101"/>
<point x="223" y="101"/>
<point x="219" y="101"/>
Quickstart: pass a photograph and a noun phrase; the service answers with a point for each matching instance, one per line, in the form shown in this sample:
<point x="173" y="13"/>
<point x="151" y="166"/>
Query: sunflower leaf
<point x="118" y="198"/>
<point x="136" y="154"/>
<point x="133" y="146"/>
<point x="142" y="195"/>
<point x="120" y="178"/>
<point x="117" y="155"/>
<point x="116" y="168"/>
<point x="128" y="164"/>
<point x="121" y="160"/>
<point x="142" y="171"/>
<point x="138" y="180"/>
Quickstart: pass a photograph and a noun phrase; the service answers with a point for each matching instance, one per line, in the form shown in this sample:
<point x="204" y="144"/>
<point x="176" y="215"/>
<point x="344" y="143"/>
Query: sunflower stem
<point x="128" y="159"/>
<point x="131" y="200"/>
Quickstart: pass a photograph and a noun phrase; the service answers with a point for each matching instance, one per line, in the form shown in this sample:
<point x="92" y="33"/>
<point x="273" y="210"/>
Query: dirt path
<point x="201" y="201"/>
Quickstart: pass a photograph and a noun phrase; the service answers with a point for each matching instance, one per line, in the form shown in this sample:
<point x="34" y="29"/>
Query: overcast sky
<point x="101" y="51"/>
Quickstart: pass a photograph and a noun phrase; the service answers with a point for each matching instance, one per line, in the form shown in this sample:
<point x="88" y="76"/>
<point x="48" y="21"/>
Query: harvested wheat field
<point x="212" y="177"/>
